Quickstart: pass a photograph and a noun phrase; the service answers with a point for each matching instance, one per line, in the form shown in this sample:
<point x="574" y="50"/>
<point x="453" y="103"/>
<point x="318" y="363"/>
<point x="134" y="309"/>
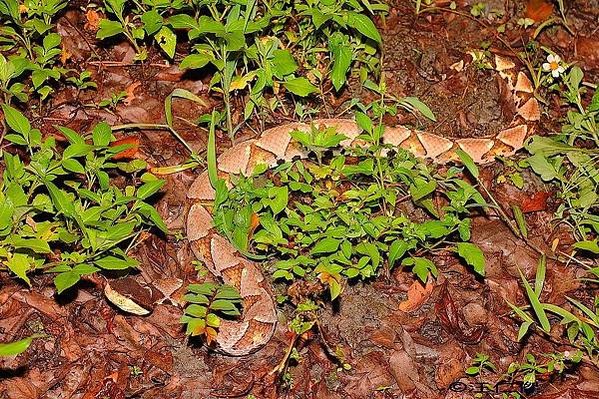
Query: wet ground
<point x="397" y="347"/>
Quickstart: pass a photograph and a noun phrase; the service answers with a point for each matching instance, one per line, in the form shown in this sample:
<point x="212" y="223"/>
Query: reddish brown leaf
<point x="417" y="295"/>
<point x="128" y="153"/>
<point x="538" y="10"/>
<point x="536" y="202"/>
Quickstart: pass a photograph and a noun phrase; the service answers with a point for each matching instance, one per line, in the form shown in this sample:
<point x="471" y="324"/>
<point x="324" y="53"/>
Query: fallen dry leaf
<point x="536" y="202"/>
<point x="65" y="55"/>
<point x="131" y="93"/>
<point x="417" y="295"/>
<point x="538" y="10"/>
<point x="92" y="20"/>
<point x="128" y="153"/>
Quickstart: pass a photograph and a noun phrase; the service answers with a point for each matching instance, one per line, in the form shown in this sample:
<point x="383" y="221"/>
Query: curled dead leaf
<point x="417" y="295"/>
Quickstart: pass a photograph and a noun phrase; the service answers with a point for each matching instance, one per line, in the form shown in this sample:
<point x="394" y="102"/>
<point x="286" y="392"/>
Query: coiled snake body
<point x="258" y="322"/>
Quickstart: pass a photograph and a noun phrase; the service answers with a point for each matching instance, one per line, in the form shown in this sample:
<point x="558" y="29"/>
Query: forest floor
<point x="419" y="350"/>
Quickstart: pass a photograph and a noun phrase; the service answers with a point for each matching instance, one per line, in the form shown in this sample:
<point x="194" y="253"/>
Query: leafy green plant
<point x="480" y="364"/>
<point x="26" y="33"/>
<point x="524" y="374"/>
<point x="571" y="161"/>
<point x="208" y="304"/>
<point x="258" y="46"/>
<point x="144" y="20"/>
<point x="581" y="330"/>
<point x="59" y="211"/>
<point x="341" y="218"/>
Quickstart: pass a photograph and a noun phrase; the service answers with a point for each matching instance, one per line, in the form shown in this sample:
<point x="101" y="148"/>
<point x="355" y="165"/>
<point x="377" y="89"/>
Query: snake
<point x="258" y="322"/>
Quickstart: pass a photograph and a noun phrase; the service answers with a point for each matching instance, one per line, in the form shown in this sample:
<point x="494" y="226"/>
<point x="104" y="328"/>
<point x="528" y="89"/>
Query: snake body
<point x="258" y="321"/>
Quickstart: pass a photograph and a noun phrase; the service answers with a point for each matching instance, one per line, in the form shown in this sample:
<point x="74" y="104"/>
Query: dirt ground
<point x="95" y="351"/>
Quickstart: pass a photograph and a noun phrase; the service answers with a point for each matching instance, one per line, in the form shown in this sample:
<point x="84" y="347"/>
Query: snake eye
<point x="312" y="155"/>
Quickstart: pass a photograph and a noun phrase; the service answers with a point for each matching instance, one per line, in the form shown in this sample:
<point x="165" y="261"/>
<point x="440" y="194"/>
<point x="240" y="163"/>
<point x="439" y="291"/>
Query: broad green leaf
<point x="196" y="61"/>
<point x="283" y="63"/>
<point x="588" y="245"/>
<point x="114" y="263"/>
<point x="342" y="56"/>
<point x="397" y="250"/>
<point x="541" y="166"/>
<point x="17" y="347"/>
<point x="326" y="246"/>
<point x="152" y="21"/>
<point x="37" y="246"/>
<point x="20" y="264"/>
<point x="108" y="28"/>
<point x="421" y="107"/>
<point x="473" y="256"/>
<point x="102" y="134"/>
<point x="421" y="267"/>
<point x="150" y="188"/>
<point x="66" y="280"/>
<point x="300" y="86"/>
<point x="363" y="24"/>
<point x="167" y="40"/>
<point x="16" y="120"/>
<point x="77" y="150"/>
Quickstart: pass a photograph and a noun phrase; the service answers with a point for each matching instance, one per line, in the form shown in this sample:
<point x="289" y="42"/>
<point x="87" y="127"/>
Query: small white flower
<point x="554" y="65"/>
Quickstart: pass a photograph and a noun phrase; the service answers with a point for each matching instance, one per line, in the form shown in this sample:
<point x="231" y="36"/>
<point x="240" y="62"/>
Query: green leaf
<point x="421" y="107"/>
<point x="36" y="245"/>
<point x="473" y="256"/>
<point x="587" y="245"/>
<point x="342" y="56"/>
<point x="363" y="24"/>
<point x="536" y="304"/>
<point x="114" y="263"/>
<point x="72" y="165"/>
<point x="16" y="120"/>
<point x="279" y="196"/>
<point x="520" y="221"/>
<point x="20" y="264"/>
<point x="102" y="134"/>
<point x="71" y="135"/>
<point x="77" y="150"/>
<point x="167" y="40"/>
<point x="196" y="61"/>
<point x="325" y="246"/>
<point x="66" y="280"/>
<point x="300" y="86"/>
<point x="421" y="267"/>
<point x="150" y="188"/>
<point x="468" y="162"/>
<point x="283" y="63"/>
<point x="421" y="189"/>
<point x="397" y="250"/>
<point x="108" y="28"/>
<point x="17" y="347"/>
<point x="152" y="21"/>
<point x="541" y="166"/>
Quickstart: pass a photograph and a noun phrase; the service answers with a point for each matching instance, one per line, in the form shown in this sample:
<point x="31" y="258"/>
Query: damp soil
<point x="373" y="342"/>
